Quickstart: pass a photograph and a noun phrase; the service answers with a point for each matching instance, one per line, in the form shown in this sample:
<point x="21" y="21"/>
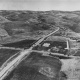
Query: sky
<point x="40" y="5"/>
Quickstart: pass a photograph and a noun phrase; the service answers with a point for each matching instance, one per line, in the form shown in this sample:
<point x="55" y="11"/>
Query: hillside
<point x="22" y="24"/>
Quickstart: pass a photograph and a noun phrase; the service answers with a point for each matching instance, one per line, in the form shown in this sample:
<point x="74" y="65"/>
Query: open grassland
<point x="19" y="25"/>
<point x="5" y="54"/>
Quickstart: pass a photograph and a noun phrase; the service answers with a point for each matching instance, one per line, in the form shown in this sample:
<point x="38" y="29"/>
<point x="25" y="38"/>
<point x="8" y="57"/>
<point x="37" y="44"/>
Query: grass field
<point x="5" y="54"/>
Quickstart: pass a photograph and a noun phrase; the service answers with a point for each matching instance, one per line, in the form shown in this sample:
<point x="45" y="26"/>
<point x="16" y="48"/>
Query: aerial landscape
<point x="39" y="45"/>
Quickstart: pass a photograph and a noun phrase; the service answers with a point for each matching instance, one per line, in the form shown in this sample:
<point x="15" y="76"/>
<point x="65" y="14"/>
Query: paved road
<point x="13" y="61"/>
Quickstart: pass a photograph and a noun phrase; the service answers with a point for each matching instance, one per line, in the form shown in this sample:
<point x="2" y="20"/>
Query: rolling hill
<point x="22" y="24"/>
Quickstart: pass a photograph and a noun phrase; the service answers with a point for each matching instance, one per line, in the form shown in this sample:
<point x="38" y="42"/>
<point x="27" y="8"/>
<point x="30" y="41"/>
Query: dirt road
<point x="13" y="61"/>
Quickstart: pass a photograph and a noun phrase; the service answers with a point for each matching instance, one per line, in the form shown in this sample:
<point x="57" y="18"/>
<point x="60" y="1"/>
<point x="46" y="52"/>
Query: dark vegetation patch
<point x="29" y="68"/>
<point x="20" y="44"/>
<point x="5" y="54"/>
<point x="14" y="28"/>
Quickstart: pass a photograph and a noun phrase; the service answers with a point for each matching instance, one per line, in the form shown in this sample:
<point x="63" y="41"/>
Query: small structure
<point x="55" y="44"/>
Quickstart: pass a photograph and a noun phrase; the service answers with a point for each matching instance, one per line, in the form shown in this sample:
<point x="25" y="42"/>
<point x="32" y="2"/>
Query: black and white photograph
<point x="39" y="39"/>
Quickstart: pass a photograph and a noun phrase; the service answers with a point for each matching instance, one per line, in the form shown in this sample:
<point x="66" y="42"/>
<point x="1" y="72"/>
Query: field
<point x="21" y="28"/>
<point x="19" y="25"/>
<point x="5" y="54"/>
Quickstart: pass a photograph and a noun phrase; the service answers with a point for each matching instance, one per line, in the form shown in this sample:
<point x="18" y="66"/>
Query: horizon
<point x="40" y="5"/>
<point x="37" y="10"/>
